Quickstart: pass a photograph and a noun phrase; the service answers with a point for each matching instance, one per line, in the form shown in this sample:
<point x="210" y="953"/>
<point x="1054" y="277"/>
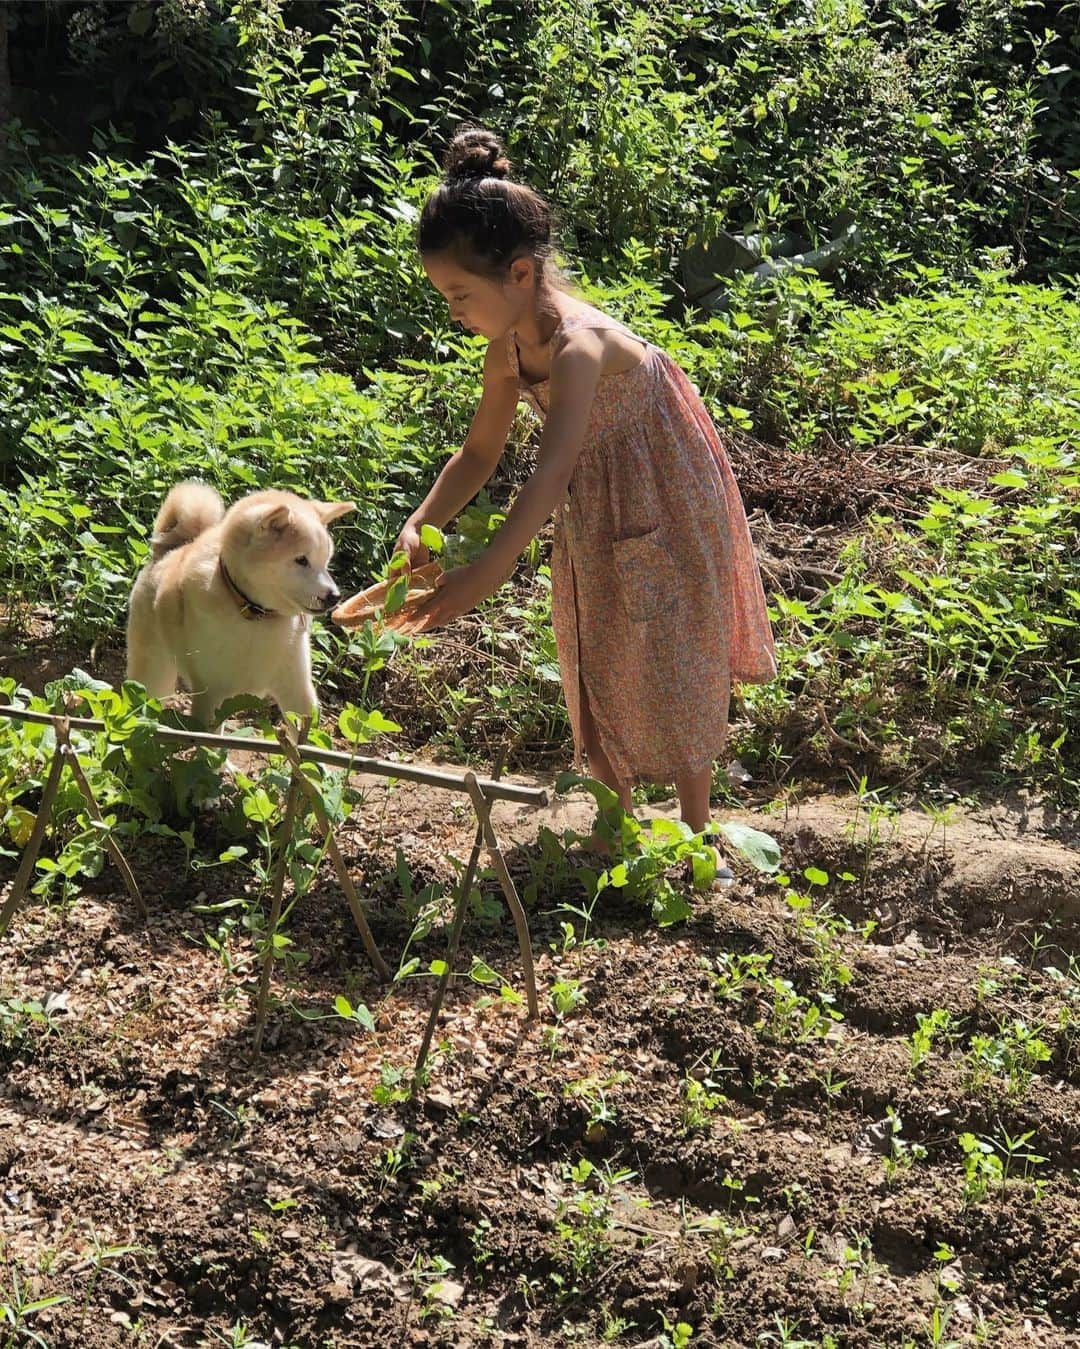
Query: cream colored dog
<point x="225" y="600"/>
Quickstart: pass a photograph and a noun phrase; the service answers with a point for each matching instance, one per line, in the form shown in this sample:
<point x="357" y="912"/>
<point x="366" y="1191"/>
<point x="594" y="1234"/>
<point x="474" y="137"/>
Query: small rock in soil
<point x="876" y="1137"/>
<point x="447" y="1292"/>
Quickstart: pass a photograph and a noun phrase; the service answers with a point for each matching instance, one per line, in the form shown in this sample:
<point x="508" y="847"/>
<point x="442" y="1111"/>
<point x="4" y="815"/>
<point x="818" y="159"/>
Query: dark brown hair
<point x="478" y="214"/>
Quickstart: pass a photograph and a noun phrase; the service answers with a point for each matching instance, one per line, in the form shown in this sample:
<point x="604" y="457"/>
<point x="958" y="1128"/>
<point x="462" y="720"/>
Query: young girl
<point x="657" y="601"/>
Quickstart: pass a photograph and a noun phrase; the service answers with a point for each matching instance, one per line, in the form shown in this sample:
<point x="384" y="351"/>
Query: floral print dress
<point x="657" y="601"/>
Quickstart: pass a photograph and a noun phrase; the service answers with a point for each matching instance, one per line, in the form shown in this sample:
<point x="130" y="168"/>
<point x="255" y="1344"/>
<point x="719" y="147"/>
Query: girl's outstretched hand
<point x="408" y="542"/>
<point x="458" y="591"/>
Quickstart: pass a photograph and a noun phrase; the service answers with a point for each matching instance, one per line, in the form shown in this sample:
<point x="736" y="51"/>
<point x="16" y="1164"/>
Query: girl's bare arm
<point x="470" y="467"/>
<point x="575" y="372"/>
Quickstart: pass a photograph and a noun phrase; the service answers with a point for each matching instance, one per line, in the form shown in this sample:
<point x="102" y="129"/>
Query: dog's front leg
<point x="204" y="705"/>
<point x="300" y="699"/>
<point x="293" y="689"/>
<point x="149" y="661"/>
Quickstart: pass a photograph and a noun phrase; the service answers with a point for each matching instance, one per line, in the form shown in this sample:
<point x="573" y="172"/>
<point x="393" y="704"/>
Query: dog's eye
<point x="301" y="561"/>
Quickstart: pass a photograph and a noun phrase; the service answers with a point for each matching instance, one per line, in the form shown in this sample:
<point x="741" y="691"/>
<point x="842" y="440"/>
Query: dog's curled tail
<point x="190" y="508"/>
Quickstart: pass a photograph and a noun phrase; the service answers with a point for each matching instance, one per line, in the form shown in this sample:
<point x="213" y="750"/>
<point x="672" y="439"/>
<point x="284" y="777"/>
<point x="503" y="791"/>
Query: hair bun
<point x="475" y="153"/>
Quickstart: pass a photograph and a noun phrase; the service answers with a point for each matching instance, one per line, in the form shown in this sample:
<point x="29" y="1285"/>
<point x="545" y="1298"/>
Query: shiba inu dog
<point x="226" y="599"/>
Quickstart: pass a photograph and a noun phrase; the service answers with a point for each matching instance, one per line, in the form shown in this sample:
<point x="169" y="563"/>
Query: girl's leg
<point x="693" y="789"/>
<point x="600" y="767"/>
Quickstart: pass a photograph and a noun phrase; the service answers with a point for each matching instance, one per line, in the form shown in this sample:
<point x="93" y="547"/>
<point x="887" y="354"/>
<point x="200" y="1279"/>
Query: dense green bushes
<point x="945" y="129"/>
<point x="246" y="304"/>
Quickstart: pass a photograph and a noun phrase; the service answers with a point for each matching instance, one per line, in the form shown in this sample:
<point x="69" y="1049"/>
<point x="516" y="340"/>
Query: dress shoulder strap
<point x="592" y="318"/>
<point x="589" y="318"/>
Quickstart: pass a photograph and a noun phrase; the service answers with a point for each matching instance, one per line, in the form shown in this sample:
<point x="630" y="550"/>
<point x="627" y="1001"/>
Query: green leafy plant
<point x="822" y="929"/>
<point x="646" y="854"/>
<point x="931" y="1026"/>
<point x="989" y="1163"/>
<point x="17" y="1310"/>
<point x="901" y="1153"/>
<point x="22" y="1020"/>
<point x="789" y="1015"/>
<point x="584" y="1220"/>
<point x="736" y="973"/>
<point x="1013" y="1055"/>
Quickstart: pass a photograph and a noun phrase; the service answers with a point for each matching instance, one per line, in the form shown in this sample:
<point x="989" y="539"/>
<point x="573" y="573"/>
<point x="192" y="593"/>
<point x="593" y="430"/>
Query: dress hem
<point x="662" y="776"/>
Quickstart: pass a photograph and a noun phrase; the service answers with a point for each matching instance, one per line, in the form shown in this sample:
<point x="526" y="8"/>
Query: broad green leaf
<point x="604" y="797"/>
<point x="482" y="973"/>
<point x="395" y="595"/>
<point x="353" y="725"/>
<point x="140" y="19"/>
<point x="670" y="907"/>
<point x="432" y="538"/>
<point x="359" y="727"/>
<point x="760" y="850"/>
<point x="661" y="828"/>
<point x="78" y="681"/>
<point x="20" y="823"/>
<point x="704" y="868"/>
<point x="379" y="724"/>
<point x="258" y="806"/>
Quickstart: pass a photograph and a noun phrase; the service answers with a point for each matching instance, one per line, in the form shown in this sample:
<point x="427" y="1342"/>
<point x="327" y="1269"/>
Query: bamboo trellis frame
<point x="482" y="792"/>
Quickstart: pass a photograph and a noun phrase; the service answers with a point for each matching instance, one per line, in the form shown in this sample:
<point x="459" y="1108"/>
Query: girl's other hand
<point x="458" y="591"/>
<point x="408" y="542"/>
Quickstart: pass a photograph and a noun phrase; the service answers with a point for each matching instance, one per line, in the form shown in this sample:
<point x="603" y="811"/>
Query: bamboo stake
<point x="278" y="889"/>
<point x="67" y="751"/>
<point x="483" y="812"/>
<point x="292" y="753"/>
<point x="450" y="957"/>
<point x="355" y="763"/>
<point x="33" y="845"/>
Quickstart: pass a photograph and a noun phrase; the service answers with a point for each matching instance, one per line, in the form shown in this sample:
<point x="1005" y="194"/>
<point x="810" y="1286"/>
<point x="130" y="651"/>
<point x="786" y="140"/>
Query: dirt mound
<point x="1011" y="868"/>
<point x="837" y="485"/>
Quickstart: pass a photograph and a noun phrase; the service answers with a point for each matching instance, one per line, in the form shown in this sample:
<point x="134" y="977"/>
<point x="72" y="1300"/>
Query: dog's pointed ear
<point x="276" y="520"/>
<point x="331" y="510"/>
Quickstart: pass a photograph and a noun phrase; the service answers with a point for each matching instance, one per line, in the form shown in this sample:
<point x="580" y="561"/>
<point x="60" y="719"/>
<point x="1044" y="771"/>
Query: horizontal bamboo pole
<point x="354" y="763"/>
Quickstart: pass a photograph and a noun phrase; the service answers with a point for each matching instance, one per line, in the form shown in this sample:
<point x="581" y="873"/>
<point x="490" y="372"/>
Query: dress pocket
<point x="645" y="574"/>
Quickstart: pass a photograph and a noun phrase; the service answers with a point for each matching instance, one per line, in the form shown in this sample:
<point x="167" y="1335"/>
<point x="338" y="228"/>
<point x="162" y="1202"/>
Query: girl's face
<point x="480" y="304"/>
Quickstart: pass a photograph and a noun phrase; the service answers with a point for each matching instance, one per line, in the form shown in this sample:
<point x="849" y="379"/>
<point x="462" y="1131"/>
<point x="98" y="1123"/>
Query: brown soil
<point x="174" y="1188"/>
<point x="178" y="1191"/>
